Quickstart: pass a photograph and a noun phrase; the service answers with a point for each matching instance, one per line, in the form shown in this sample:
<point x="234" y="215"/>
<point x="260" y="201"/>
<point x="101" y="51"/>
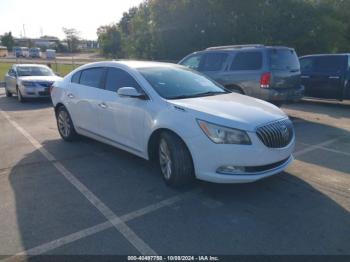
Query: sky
<point x="48" y="17"/>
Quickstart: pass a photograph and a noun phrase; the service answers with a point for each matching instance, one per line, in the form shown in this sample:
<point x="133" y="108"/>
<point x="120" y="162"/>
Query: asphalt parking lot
<point x="89" y="198"/>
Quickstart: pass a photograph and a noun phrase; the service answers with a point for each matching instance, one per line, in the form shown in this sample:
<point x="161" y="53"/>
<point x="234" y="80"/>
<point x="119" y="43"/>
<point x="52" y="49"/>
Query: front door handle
<point x="102" y="105"/>
<point x="334" y="77"/>
<point x="70" y="95"/>
<point x="305" y="77"/>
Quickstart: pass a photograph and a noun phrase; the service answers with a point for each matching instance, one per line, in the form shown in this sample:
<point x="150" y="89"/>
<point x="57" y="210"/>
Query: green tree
<point x="168" y="29"/>
<point x="7" y="40"/>
<point x="109" y="39"/>
<point x="72" y="38"/>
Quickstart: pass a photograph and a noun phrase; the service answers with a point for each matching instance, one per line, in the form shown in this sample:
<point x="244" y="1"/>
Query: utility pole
<point x="24" y="31"/>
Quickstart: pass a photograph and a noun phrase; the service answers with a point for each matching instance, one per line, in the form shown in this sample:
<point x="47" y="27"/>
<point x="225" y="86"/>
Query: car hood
<point x="40" y="78"/>
<point x="232" y="110"/>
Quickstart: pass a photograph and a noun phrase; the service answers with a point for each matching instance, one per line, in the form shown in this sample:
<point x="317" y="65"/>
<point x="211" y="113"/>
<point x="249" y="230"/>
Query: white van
<point x="21" y="51"/>
<point x="50" y="54"/>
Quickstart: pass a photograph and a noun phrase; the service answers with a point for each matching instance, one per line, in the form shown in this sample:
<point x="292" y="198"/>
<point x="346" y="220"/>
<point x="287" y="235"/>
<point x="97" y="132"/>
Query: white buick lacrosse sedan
<point x="186" y="122"/>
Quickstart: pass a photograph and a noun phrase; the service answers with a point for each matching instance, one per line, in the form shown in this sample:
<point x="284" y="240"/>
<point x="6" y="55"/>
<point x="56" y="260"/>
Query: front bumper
<point x="35" y="92"/>
<point x="259" y="160"/>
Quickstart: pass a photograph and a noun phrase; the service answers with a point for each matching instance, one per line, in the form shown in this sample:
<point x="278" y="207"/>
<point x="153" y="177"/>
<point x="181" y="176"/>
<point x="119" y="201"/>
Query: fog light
<point x="231" y="169"/>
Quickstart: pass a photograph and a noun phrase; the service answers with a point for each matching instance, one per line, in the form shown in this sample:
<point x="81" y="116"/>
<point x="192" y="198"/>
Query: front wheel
<point x="65" y="124"/>
<point x="20" y="98"/>
<point x="175" y="161"/>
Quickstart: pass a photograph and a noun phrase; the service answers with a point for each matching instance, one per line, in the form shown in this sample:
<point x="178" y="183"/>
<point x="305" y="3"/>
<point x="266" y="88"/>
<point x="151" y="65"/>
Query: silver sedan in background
<point x="29" y="81"/>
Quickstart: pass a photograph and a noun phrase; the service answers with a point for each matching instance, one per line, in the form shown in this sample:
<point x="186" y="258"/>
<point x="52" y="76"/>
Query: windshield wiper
<point x="209" y="93"/>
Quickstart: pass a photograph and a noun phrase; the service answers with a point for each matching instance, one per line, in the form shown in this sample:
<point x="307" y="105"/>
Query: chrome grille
<point x="277" y="134"/>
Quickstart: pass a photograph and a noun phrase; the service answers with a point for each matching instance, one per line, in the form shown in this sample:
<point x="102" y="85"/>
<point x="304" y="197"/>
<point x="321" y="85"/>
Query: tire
<point x="175" y="161"/>
<point x="7" y="93"/>
<point x="20" y="98"/>
<point x="65" y="125"/>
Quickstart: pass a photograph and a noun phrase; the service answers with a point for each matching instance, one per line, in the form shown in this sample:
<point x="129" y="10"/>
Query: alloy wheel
<point x="64" y="125"/>
<point x="165" y="159"/>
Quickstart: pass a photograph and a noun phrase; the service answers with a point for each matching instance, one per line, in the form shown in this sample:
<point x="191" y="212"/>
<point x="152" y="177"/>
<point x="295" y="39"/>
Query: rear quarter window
<point x="76" y="77"/>
<point x="192" y="62"/>
<point x="283" y="59"/>
<point x="306" y="64"/>
<point x="247" y="61"/>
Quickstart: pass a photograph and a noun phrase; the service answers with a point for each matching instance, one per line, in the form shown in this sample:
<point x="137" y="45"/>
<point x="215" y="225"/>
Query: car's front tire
<point x="65" y="125"/>
<point x="20" y="98"/>
<point x="175" y="160"/>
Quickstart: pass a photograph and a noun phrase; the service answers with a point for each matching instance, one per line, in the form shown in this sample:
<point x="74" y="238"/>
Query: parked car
<point x="187" y="122"/>
<point x="35" y="52"/>
<point x="270" y="73"/>
<point x="326" y="76"/>
<point x="29" y="81"/>
<point x="3" y="51"/>
<point x="50" y="54"/>
<point x="21" y="51"/>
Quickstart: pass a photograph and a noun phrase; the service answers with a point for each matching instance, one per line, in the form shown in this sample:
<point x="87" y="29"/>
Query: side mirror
<point x="57" y="74"/>
<point x="130" y="92"/>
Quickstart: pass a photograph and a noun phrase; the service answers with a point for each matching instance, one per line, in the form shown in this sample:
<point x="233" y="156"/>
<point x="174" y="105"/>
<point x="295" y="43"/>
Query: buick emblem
<point x="284" y="132"/>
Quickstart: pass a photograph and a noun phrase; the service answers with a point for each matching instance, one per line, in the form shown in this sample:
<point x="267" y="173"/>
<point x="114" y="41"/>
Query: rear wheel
<point x="65" y="124"/>
<point x="8" y="93"/>
<point x="175" y="160"/>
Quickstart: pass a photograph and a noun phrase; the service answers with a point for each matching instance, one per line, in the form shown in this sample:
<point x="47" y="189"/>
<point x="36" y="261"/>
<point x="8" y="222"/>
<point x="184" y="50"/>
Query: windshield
<point x="284" y="59"/>
<point x="177" y="83"/>
<point x="34" y="71"/>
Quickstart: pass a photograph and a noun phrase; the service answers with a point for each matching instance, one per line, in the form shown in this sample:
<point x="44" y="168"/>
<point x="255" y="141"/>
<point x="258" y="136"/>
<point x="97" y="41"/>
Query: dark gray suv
<point x="271" y="73"/>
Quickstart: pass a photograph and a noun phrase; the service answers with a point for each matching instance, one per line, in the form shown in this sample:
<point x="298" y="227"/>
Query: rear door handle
<point x="334" y="77"/>
<point x="70" y="95"/>
<point x="102" y="105"/>
<point x="305" y="77"/>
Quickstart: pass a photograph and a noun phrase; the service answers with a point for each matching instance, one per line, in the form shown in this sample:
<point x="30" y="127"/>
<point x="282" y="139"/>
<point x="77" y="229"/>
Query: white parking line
<point x="329" y="149"/>
<point x="314" y="147"/>
<point x="44" y="248"/>
<point x="124" y="229"/>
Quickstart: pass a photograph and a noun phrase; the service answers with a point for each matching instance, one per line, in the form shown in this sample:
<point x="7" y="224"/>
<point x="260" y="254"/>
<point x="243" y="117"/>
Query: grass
<point x="62" y="69"/>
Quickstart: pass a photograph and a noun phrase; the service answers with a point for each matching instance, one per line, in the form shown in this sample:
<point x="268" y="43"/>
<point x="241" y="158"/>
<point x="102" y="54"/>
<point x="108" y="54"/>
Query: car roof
<point x="319" y="55"/>
<point x="238" y="48"/>
<point x="244" y="47"/>
<point x="131" y="64"/>
<point x="29" y="65"/>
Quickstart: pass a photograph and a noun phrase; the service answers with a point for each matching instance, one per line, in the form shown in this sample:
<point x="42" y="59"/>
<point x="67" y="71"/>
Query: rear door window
<point x="247" y="61"/>
<point x="213" y="61"/>
<point x="92" y="77"/>
<point x="284" y="59"/>
<point x="117" y="78"/>
<point x="334" y="64"/>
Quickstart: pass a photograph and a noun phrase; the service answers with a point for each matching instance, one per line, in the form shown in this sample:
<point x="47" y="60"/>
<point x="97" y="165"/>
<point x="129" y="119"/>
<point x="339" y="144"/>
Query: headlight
<point x="224" y="135"/>
<point x="28" y="84"/>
